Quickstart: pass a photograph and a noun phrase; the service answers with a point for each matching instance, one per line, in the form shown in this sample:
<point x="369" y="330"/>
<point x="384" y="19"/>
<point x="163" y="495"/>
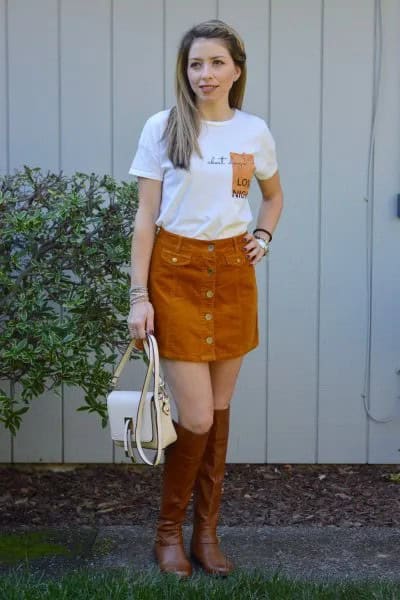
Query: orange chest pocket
<point x="243" y="168"/>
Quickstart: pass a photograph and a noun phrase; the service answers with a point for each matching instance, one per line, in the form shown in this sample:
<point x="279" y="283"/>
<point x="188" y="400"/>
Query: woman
<point x="193" y="277"/>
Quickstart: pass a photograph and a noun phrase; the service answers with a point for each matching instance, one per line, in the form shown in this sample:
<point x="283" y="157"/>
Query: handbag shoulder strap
<point x="122" y="363"/>
<point x="125" y="359"/>
<point x="151" y="349"/>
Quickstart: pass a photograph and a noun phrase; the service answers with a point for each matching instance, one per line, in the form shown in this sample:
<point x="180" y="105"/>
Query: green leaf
<point x="64" y="251"/>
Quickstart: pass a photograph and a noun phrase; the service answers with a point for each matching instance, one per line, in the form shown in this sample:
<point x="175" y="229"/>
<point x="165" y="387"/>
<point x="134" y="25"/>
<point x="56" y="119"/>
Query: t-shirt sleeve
<point x="147" y="160"/>
<point x="266" y="161"/>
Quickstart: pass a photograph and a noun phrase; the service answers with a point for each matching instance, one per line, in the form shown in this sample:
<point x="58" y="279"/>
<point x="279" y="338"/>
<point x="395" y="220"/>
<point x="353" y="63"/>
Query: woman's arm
<point x="272" y="203"/>
<point x="141" y="315"/>
<point x="144" y="229"/>
<point x="268" y="216"/>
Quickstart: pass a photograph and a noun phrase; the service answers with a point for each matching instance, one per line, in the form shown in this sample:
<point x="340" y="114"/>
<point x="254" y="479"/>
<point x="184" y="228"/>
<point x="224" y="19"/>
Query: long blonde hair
<point x="183" y="125"/>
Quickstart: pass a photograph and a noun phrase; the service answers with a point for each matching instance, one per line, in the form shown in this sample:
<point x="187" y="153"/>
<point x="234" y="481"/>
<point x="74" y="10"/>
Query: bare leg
<point x="224" y="374"/>
<point x="190" y="385"/>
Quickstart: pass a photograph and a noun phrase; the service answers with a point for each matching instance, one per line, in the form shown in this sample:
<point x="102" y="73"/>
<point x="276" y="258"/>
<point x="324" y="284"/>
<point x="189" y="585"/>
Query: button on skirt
<point x="204" y="295"/>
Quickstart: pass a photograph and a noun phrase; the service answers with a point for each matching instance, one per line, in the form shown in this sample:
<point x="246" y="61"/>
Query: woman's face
<point x="211" y="70"/>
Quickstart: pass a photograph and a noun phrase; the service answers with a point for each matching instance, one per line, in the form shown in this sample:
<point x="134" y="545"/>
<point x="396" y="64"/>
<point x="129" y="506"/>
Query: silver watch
<point x="263" y="243"/>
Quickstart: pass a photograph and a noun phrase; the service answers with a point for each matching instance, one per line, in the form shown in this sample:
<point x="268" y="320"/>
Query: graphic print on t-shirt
<point x="243" y="168"/>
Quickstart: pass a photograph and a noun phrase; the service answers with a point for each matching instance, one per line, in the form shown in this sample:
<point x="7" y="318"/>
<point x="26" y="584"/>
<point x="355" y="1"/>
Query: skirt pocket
<point x="174" y="269"/>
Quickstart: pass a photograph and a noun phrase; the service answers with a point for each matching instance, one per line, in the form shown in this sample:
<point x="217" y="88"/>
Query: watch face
<point x="262" y="243"/>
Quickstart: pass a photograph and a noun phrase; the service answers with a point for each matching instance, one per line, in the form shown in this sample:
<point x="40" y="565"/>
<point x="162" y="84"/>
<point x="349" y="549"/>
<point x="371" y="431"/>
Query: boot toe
<point x="212" y="560"/>
<point x="172" y="559"/>
<point x="223" y="566"/>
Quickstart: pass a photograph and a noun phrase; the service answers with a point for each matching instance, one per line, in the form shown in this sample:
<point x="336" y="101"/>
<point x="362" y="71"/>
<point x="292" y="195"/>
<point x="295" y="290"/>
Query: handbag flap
<point x="122" y="404"/>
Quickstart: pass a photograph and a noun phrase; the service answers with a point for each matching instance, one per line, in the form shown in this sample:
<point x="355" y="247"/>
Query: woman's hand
<point x="253" y="250"/>
<point x="141" y="320"/>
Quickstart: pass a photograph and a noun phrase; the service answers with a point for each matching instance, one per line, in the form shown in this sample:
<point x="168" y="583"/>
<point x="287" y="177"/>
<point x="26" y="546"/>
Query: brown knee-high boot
<point x="207" y="497"/>
<point x="182" y="461"/>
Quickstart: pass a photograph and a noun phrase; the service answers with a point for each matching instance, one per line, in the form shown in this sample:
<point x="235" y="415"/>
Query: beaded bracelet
<point x="265" y="231"/>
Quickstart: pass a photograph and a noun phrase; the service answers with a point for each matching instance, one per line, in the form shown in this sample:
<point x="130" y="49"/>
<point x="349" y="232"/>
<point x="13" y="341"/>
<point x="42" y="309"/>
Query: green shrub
<point x="64" y="280"/>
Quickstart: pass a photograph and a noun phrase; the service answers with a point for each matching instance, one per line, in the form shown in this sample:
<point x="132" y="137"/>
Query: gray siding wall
<point x="78" y="78"/>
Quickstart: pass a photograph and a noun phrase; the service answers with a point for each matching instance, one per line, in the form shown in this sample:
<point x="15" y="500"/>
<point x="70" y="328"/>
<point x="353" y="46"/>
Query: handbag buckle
<point x="164" y="399"/>
<point x="165" y="406"/>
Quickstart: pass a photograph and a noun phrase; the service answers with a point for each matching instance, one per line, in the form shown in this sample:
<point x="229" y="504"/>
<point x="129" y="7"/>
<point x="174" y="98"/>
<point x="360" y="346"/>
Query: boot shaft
<point x="182" y="462"/>
<point x="208" y="487"/>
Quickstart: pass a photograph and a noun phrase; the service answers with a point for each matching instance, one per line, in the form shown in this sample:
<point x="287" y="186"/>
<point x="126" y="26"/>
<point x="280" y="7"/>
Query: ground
<point x="104" y="494"/>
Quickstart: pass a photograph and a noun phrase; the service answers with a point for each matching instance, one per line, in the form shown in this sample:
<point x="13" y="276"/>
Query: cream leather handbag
<point x="141" y="419"/>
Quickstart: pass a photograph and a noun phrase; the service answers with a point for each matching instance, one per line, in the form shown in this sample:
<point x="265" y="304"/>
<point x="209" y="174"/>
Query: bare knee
<point x="196" y="423"/>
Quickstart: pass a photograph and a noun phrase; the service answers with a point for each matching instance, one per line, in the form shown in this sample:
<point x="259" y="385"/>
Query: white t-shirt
<point x="209" y="201"/>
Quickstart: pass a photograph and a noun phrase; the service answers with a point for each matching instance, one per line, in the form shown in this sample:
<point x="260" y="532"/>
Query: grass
<point x="22" y="582"/>
<point x="124" y="584"/>
<point x="28" y="545"/>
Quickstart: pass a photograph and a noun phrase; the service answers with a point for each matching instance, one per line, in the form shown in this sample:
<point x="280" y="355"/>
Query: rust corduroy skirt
<point x="204" y="295"/>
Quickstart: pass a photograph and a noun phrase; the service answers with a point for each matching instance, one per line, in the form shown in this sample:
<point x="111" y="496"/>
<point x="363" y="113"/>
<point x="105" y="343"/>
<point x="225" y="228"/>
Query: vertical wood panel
<point x="138" y="58"/>
<point x="33" y="82"/>
<point x="179" y="17"/>
<point x="293" y="291"/>
<point x="251" y="20"/>
<point x="347" y="88"/>
<point x="86" y="86"/>
<point x="84" y="439"/>
<point x="385" y="355"/>
<point x="86" y="146"/>
<point x="3" y="90"/>
<point x="138" y="86"/>
<point x="39" y="438"/>
<point x="33" y="109"/>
